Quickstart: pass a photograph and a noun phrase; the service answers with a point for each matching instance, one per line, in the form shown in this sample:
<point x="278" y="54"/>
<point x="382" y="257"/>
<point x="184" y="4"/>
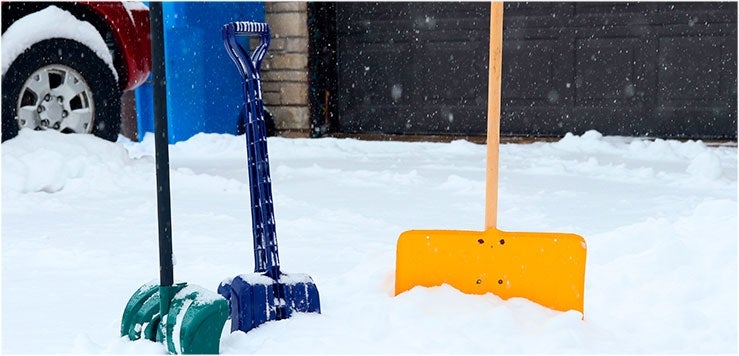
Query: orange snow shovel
<point x="546" y="268"/>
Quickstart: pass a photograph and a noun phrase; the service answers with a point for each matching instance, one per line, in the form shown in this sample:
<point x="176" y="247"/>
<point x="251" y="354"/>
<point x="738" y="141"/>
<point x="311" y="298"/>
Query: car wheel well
<point x="13" y="11"/>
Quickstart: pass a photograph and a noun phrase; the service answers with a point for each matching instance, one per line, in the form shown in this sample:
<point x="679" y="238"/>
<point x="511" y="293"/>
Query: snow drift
<point x="659" y="217"/>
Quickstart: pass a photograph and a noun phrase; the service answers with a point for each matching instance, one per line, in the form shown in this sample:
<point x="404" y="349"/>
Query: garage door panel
<point x="606" y="71"/>
<point x="529" y="69"/>
<point x="359" y="15"/>
<point x="450" y="76"/>
<point x="447" y="120"/>
<point x="376" y="119"/>
<point x="371" y="82"/>
<point x="666" y="69"/>
<point x="681" y="77"/>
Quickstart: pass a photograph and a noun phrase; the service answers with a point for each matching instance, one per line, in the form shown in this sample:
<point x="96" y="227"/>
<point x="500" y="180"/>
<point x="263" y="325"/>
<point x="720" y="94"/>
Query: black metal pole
<point x="161" y="144"/>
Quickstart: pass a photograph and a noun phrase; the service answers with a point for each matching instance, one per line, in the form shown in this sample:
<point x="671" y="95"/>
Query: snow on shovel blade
<point x="546" y="268"/>
<point x="255" y="298"/>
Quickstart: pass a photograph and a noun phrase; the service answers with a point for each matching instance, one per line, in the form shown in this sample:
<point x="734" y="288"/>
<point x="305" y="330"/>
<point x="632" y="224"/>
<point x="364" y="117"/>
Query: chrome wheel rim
<point x="56" y="97"/>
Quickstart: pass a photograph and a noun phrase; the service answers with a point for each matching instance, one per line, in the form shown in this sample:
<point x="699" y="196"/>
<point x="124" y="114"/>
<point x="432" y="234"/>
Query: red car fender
<point x="130" y="28"/>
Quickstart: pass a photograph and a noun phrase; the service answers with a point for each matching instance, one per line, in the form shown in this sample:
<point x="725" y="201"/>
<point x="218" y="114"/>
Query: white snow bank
<point x="51" y="22"/>
<point x="49" y="161"/>
<point x="639" y="148"/>
<point x="659" y="218"/>
<point x="706" y="165"/>
<point x="617" y="158"/>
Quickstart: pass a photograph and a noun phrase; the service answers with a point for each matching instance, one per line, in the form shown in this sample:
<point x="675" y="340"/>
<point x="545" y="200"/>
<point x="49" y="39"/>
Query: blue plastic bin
<point x="204" y="92"/>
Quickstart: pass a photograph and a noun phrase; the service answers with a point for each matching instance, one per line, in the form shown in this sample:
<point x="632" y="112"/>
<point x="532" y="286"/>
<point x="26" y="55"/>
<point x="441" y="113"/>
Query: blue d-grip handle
<point x="266" y="258"/>
<point x="237" y="52"/>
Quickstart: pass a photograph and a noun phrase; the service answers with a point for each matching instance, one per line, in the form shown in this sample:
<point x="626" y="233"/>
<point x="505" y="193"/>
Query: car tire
<point x="88" y="99"/>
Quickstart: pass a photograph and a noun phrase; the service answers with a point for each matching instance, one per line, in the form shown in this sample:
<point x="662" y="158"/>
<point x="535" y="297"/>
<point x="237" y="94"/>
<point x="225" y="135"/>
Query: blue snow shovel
<point x="267" y="294"/>
<point x="188" y="318"/>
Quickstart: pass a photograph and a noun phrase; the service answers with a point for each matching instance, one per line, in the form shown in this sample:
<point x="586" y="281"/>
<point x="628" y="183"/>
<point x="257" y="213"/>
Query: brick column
<point x="285" y="69"/>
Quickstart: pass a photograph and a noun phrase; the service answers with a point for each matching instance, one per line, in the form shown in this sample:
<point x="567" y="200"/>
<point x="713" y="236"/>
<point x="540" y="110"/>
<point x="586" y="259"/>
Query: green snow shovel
<point x="188" y="318"/>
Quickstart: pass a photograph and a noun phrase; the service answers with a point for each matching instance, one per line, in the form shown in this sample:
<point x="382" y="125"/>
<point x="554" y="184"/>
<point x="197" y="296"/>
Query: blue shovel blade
<point x="253" y="298"/>
<point x="301" y="294"/>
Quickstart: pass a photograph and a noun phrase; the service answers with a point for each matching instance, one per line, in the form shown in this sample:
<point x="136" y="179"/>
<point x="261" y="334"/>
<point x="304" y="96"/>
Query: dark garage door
<point x="638" y="69"/>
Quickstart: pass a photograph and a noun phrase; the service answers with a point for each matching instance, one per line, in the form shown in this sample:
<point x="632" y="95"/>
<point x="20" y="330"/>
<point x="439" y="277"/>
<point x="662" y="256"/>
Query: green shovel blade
<point x="195" y="321"/>
<point x="192" y="322"/>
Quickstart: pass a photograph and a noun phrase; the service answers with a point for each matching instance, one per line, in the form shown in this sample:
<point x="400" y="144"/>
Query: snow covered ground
<point x="659" y="217"/>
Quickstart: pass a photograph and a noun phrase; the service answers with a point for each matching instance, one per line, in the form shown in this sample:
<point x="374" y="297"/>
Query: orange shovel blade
<point x="546" y="268"/>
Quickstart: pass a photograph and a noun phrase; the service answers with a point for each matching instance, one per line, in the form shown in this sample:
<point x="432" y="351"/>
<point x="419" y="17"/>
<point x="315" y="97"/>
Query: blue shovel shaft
<point x="266" y="258"/>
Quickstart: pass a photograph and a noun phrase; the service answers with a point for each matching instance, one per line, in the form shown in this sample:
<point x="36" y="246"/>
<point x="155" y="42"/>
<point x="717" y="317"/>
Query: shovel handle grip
<point x="241" y="55"/>
<point x="248" y="28"/>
